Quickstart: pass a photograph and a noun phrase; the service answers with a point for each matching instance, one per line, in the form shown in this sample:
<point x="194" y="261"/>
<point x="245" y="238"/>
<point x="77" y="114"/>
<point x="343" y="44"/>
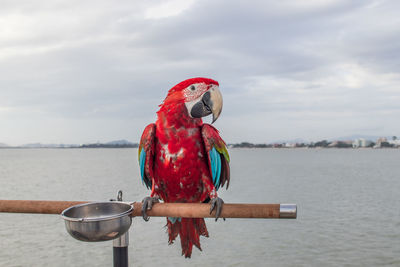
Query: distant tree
<point x="394" y="138"/>
<point x="386" y="144"/>
<point x="244" y="144"/>
<point x="372" y="144"/>
<point x="343" y="145"/>
<point x="261" y="145"/>
<point x="322" y="143"/>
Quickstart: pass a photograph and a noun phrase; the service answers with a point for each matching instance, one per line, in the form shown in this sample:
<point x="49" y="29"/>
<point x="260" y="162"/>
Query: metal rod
<point x="186" y="210"/>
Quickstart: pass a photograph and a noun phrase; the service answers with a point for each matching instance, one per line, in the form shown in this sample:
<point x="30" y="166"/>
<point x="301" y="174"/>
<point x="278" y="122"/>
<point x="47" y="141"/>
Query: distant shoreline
<point x="353" y="144"/>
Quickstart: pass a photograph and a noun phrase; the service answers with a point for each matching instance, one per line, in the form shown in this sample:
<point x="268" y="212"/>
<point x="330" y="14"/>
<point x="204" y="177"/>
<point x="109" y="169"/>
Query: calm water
<point x="348" y="209"/>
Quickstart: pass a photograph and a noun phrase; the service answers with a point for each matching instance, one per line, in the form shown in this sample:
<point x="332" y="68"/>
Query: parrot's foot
<point x="216" y="203"/>
<point x="147" y="205"/>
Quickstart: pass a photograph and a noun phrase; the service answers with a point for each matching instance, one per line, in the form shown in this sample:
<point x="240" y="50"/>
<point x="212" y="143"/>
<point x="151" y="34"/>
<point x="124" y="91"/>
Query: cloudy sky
<point x="88" y="71"/>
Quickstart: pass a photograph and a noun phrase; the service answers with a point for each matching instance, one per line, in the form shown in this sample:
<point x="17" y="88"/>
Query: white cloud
<point x="166" y="9"/>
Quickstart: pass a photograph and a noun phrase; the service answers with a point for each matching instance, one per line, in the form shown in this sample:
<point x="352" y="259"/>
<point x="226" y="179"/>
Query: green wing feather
<point x="218" y="156"/>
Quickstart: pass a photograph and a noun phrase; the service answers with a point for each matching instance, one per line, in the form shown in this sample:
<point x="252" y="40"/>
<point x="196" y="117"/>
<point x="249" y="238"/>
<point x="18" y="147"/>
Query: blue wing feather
<point x="142" y="160"/>
<point x="213" y="164"/>
<point x="212" y="159"/>
<point x="218" y="183"/>
<point x="215" y="167"/>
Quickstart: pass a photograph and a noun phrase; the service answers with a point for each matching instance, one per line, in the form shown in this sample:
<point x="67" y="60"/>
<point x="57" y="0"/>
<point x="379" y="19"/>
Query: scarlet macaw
<point x="184" y="160"/>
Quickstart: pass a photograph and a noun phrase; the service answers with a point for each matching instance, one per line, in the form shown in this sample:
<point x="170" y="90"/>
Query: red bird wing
<point x="218" y="157"/>
<point x="146" y="154"/>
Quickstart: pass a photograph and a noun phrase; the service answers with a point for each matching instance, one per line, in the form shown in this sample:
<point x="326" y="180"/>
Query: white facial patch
<point x="194" y="91"/>
<point x="190" y="104"/>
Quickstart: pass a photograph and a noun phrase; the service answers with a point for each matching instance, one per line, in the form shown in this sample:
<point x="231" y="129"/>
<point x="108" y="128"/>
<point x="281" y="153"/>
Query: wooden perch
<point x="184" y="210"/>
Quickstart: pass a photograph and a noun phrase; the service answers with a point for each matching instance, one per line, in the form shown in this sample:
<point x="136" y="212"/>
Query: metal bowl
<point x="98" y="221"/>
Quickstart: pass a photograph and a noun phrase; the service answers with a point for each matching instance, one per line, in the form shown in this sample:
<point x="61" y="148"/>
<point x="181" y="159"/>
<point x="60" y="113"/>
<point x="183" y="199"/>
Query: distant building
<point x="394" y="143"/>
<point x="362" y="142"/>
<point x="357" y="143"/>
<point x="383" y="142"/>
<point x="289" y="145"/>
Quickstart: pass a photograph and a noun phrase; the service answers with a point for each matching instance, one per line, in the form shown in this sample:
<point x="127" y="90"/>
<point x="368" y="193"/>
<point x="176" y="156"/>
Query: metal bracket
<point x="119" y="196"/>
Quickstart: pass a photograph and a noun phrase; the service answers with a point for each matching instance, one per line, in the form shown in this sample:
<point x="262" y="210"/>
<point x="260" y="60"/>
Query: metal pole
<point x="120" y="250"/>
<point x="120" y="246"/>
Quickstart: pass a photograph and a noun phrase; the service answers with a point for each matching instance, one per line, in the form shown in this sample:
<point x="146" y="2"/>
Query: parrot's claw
<point x="147" y="205"/>
<point x="216" y="203"/>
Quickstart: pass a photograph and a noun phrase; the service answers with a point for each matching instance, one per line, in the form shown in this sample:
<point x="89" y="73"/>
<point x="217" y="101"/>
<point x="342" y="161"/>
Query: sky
<point x="85" y="71"/>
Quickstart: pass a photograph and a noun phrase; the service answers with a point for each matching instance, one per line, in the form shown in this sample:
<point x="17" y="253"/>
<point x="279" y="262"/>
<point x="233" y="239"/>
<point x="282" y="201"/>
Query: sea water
<point x="348" y="209"/>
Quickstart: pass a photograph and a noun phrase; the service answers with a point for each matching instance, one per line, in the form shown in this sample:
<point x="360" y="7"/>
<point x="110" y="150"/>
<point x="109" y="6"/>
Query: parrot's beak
<point x="216" y="102"/>
<point x="209" y="103"/>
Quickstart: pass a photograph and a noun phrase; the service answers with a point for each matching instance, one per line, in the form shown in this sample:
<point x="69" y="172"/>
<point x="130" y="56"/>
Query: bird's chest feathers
<point x="183" y="146"/>
<point x="180" y="161"/>
<point x="167" y="157"/>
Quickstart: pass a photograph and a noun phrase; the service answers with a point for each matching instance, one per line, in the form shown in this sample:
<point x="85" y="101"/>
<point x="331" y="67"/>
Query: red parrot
<point x="183" y="159"/>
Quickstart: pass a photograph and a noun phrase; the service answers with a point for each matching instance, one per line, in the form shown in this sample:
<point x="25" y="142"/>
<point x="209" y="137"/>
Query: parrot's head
<point x="201" y="97"/>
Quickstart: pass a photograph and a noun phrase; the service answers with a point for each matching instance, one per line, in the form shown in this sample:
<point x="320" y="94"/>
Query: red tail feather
<point x="189" y="230"/>
<point x="173" y="230"/>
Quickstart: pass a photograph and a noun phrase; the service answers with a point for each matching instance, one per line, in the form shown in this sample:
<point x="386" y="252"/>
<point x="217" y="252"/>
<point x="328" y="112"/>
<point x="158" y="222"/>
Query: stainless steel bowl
<point x="98" y="221"/>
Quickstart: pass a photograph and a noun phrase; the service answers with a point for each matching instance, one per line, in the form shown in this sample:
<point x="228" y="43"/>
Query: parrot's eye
<point x="192" y="88"/>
